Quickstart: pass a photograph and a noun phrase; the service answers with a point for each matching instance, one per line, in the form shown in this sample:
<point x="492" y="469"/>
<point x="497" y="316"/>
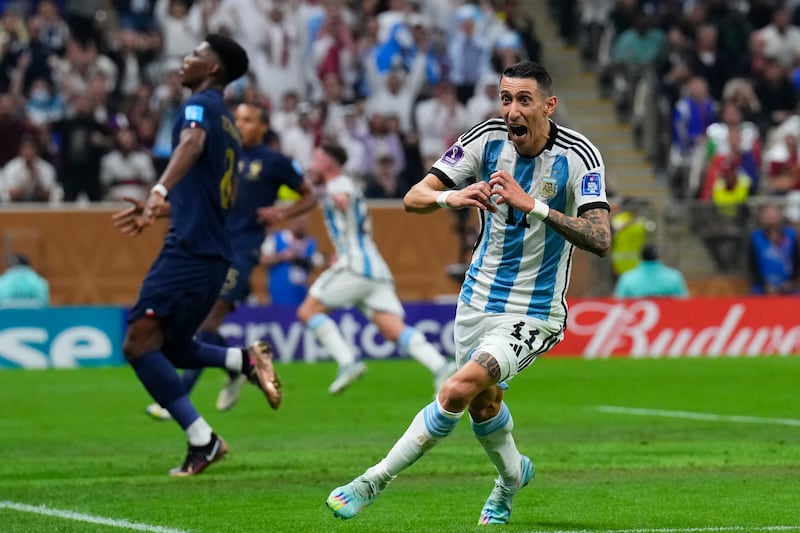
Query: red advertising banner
<point x="714" y="327"/>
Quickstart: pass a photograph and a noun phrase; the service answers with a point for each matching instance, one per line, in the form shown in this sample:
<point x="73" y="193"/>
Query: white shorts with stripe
<point x="339" y="288"/>
<point x="514" y="340"/>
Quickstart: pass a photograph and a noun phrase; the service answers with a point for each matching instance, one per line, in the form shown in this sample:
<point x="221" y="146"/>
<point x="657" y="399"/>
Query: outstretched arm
<point x="272" y="214"/>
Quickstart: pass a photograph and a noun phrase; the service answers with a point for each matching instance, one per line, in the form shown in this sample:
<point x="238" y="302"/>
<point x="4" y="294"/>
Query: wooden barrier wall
<point x="87" y="261"/>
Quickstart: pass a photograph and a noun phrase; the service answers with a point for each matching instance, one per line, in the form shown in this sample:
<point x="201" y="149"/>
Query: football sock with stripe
<point x="495" y="437"/>
<point x="328" y="335"/>
<point x="431" y="425"/>
<point x="414" y="344"/>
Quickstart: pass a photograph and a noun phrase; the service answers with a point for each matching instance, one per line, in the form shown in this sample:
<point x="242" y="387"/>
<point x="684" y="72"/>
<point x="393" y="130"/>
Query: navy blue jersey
<point x="262" y="171"/>
<point x="202" y="199"/>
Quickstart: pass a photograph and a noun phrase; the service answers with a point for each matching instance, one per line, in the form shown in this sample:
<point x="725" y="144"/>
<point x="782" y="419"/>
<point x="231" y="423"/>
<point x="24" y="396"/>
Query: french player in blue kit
<point x="540" y="191"/>
<point x="186" y="278"/>
<point x="261" y="173"/>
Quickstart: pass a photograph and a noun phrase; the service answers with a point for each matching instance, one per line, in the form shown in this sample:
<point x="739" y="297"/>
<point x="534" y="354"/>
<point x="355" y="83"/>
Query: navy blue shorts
<point x="237" y="288"/>
<point x="180" y="290"/>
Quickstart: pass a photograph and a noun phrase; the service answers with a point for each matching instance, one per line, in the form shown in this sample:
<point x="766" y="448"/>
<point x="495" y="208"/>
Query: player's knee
<point x="456" y="394"/>
<point x="131" y="349"/>
<point x="485" y="406"/>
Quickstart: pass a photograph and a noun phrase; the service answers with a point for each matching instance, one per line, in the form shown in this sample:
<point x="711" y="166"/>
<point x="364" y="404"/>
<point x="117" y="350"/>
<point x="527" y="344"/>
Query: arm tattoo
<point x="591" y="231"/>
<point x="487" y="361"/>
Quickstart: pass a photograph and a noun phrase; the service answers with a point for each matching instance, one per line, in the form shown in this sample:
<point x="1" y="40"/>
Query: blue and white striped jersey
<point x="522" y="266"/>
<point x="350" y="231"/>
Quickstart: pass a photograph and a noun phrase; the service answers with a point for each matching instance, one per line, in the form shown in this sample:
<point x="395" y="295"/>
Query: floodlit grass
<point x="78" y="440"/>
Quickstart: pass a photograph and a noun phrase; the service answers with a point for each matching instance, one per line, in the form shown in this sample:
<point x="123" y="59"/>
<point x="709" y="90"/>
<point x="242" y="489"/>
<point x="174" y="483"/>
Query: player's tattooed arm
<point x="489" y="363"/>
<point x="591" y="231"/>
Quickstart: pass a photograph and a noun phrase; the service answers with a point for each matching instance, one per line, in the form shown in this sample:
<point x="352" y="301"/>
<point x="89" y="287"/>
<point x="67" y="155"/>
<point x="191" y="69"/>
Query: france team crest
<point x="590" y="184"/>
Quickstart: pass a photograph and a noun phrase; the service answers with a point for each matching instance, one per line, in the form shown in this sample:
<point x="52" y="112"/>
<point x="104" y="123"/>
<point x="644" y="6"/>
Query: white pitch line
<point x="81" y="517"/>
<point x="697" y="416"/>
<point x="719" y="529"/>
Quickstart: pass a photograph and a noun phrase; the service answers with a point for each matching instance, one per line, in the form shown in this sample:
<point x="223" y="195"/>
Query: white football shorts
<point x="339" y="288"/>
<point x="514" y="340"/>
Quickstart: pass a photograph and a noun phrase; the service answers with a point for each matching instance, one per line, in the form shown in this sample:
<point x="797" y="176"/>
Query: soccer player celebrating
<point x="358" y="277"/>
<point x="186" y="278"/>
<point x="539" y="188"/>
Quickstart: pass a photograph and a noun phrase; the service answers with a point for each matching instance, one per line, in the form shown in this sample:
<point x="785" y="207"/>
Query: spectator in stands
<point x="651" y="278"/>
<point x="633" y="51"/>
<point x="439" y="120"/>
<point x="469" y="55"/>
<point x="731" y="190"/>
<point x="382" y="180"/>
<point x="774" y="258"/>
<point x="396" y="91"/>
<point x="781" y="38"/>
<point x="782" y="166"/>
<point x="126" y="171"/>
<point x="290" y="256"/>
<point x="299" y="140"/>
<point x="709" y="61"/>
<point x="691" y="117"/>
<point x="28" y="177"/>
<point x="21" y="287"/>
<point x="44" y="106"/>
<point x="13" y="127"/>
<point x="181" y="24"/>
<point x="776" y="93"/>
<point x="82" y="143"/>
<point x="483" y="103"/>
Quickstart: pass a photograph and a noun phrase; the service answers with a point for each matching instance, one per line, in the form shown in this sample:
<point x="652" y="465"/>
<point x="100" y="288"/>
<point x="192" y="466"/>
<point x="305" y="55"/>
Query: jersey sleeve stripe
<point x="593" y="205"/>
<point x="474" y="134"/>
<point x="480" y="125"/>
<point x="442" y="177"/>
<point x="582" y="143"/>
<point x="580" y="154"/>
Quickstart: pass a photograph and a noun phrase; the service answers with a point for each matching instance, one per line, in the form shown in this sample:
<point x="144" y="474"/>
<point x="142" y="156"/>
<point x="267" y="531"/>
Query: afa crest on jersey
<point x="549" y="187"/>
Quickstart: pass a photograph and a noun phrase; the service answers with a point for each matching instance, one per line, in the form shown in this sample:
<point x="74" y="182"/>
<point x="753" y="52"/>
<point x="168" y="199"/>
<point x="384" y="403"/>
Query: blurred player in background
<point x="262" y="171"/>
<point x="540" y="191"/>
<point x="358" y="277"/>
<point x="186" y="278"/>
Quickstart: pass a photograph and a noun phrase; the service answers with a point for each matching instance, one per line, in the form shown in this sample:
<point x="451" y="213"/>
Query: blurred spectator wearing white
<point x="21" y="287"/>
<point x="28" y="177"/>
<point x="182" y="27"/>
<point x="299" y="140"/>
<point x="781" y="38"/>
<point x="382" y="179"/>
<point x="333" y="53"/>
<point x="284" y="116"/>
<point x="126" y="171"/>
<point x="395" y="92"/>
<point x="468" y="52"/>
<point x="384" y="137"/>
<point x="440" y="120"/>
<point x="483" y="103"/>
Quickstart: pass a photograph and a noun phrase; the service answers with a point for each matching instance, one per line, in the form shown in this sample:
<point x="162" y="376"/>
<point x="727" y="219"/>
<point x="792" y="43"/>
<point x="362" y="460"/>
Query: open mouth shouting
<point x="517" y="132"/>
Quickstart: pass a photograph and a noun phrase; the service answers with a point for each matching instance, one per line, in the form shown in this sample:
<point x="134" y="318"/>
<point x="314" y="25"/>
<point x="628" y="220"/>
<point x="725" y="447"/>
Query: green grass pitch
<point x="79" y="441"/>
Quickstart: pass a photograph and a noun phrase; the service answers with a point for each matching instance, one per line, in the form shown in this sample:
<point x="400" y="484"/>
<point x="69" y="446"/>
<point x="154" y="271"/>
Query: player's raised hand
<point x="508" y="191"/>
<point x="128" y="221"/>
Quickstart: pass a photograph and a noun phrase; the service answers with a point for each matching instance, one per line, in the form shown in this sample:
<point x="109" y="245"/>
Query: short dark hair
<point x="649" y="252"/>
<point x="263" y="114"/>
<point x="232" y="56"/>
<point x="533" y="71"/>
<point x="335" y="151"/>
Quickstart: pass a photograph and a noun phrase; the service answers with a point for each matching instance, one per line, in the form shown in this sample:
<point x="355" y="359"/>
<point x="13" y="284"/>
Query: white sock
<point x="233" y="359"/>
<point x="414" y="344"/>
<point x="328" y="335"/>
<point x="495" y="437"/>
<point x="199" y="432"/>
<point x="431" y="425"/>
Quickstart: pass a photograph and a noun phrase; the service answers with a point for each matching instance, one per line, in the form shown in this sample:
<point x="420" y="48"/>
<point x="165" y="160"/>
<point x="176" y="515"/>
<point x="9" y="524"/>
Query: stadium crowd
<point x="89" y="88"/>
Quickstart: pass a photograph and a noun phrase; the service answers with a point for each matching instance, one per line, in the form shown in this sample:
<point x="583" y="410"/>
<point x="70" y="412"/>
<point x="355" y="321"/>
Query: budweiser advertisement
<point x="729" y="327"/>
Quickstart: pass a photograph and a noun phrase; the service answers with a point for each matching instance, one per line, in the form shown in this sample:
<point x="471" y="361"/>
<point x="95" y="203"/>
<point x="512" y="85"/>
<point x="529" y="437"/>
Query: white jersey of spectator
<point x="180" y="34"/>
<point x="439" y="121"/>
<point x="298" y="141"/>
<point x="127" y="175"/>
<point x="781" y="40"/>
<point x="350" y="231"/>
<point x="483" y="104"/>
<point x="531" y="272"/>
<point x="392" y="96"/>
<point x="16" y="174"/>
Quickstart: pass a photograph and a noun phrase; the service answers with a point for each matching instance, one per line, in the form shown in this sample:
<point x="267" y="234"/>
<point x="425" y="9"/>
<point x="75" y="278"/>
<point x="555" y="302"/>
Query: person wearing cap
<point x="651" y="279"/>
<point x="21" y="287"/>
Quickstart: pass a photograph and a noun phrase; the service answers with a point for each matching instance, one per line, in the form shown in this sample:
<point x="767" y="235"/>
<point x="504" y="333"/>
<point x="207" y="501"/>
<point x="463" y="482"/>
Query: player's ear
<point x="550" y="105"/>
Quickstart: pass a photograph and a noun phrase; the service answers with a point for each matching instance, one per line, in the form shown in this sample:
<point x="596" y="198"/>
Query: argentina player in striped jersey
<point x="358" y="278"/>
<point x="540" y="191"/>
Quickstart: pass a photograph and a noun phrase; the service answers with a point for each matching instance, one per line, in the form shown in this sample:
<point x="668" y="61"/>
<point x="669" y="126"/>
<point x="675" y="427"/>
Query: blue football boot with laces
<point x="497" y="509"/>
